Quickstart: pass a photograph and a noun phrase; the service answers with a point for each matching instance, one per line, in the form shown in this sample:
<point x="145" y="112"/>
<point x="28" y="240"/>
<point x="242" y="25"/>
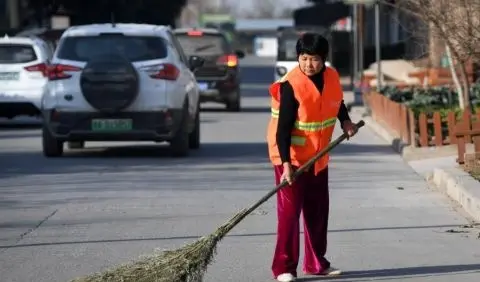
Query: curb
<point x="460" y="186"/>
<point x="454" y="182"/>
<point x="397" y="144"/>
<point x="408" y="152"/>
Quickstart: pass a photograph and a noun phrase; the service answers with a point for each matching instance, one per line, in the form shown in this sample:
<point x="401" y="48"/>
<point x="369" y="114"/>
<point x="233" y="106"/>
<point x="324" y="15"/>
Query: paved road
<point x="61" y="218"/>
<point x="257" y="70"/>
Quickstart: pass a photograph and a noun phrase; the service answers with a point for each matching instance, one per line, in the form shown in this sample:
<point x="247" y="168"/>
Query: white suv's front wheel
<point x="51" y="146"/>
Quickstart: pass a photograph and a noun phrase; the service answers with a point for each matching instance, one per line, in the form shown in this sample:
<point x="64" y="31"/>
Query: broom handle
<point x="234" y="221"/>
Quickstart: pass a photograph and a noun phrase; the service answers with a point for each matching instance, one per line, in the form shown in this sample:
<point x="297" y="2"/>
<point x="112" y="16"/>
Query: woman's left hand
<point x="349" y="128"/>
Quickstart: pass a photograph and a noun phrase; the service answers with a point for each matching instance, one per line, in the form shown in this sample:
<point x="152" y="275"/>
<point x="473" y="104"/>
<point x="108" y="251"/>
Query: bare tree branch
<point x="456" y="23"/>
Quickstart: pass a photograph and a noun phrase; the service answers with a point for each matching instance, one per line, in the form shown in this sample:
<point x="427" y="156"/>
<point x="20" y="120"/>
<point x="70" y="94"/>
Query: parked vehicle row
<point x="23" y="79"/>
<point x="119" y="82"/>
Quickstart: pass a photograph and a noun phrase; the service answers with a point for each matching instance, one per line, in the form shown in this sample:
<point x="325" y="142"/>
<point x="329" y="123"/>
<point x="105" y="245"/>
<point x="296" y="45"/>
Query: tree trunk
<point x="435" y="47"/>
<point x="466" y="85"/>
<point x="461" y="99"/>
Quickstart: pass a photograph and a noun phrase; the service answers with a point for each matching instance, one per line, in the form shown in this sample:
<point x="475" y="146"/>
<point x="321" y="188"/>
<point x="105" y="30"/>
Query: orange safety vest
<point x="316" y="117"/>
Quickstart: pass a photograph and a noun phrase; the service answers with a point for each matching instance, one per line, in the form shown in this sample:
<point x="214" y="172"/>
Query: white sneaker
<point x="331" y="271"/>
<point x="286" y="277"/>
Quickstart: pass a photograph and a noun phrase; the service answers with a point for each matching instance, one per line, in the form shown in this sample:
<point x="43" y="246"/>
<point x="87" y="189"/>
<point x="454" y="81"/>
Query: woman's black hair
<point x="313" y="44"/>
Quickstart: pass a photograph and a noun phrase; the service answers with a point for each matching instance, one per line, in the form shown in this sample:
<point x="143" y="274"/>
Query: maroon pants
<point x="309" y="195"/>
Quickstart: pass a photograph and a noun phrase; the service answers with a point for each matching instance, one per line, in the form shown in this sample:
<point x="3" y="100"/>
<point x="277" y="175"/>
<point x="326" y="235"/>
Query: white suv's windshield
<point x="134" y="48"/>
<point x="16" y="54"/>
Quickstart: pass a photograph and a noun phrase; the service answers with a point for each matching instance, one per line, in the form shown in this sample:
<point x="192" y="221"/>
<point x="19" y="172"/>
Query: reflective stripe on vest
<point x="310" y="126"/>
<point x="299" y="140"/>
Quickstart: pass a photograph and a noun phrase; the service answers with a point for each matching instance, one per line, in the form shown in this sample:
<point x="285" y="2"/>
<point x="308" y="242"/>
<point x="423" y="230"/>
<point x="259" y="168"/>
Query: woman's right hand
<point x="287" y="174"/>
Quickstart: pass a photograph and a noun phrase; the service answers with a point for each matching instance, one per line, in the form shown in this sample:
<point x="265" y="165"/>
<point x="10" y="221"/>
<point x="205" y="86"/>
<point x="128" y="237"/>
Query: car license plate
<point x="9" y="75"/>
<point x="111" y="125"/>
<point x="203" y="86"/>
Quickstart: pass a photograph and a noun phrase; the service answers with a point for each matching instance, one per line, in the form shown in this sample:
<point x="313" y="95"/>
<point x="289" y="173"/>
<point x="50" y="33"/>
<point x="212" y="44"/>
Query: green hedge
<point x="430" y="100"/>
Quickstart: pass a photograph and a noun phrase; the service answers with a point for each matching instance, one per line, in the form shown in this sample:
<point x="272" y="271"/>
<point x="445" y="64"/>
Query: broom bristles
<point x="186" y="264"/>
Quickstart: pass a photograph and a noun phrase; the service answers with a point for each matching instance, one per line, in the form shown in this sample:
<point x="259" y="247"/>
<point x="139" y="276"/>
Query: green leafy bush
<point x="429" y="100"/>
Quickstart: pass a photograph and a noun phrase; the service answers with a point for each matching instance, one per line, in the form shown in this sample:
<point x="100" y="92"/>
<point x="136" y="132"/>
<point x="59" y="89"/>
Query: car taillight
<point x="228" y="60"/>
<point x="162" y="71"/>
<point x="59" y="71"/>
<point x="195" y="33"/>
<point x="38" y="68"/>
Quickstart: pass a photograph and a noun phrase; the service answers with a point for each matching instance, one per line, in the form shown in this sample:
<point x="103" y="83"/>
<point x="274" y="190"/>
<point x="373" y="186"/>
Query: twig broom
<point x="189" y="263"/>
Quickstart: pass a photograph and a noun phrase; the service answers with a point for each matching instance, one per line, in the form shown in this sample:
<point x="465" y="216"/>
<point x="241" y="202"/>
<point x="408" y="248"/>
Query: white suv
<point x="23" y="75"/>
<point x="121" y="82"/>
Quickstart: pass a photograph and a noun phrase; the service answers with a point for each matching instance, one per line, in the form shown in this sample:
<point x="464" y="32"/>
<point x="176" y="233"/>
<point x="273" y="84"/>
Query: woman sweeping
<point x="305" y="104"/>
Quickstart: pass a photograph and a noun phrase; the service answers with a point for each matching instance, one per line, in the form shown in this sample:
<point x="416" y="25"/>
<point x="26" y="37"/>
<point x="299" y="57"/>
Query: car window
<point x="134" y="48"/>
<point x="48" y="50"/>
<point x="202" y="45"/>
<point x="17" y="53"/>
<point x="179" y="48"/>
<point x="174" y="51"/>
<point x="287" y="49"/>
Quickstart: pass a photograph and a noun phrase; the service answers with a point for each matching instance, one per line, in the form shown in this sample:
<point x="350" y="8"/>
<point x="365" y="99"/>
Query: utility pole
<point x="378" y="45"/>
<point x="355" y="45"/>
<point x="358" y="35"/>
<point x="361" y="53"/>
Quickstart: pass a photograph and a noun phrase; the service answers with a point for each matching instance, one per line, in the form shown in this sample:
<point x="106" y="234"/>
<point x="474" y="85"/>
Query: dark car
<point x="219" y="77"/>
